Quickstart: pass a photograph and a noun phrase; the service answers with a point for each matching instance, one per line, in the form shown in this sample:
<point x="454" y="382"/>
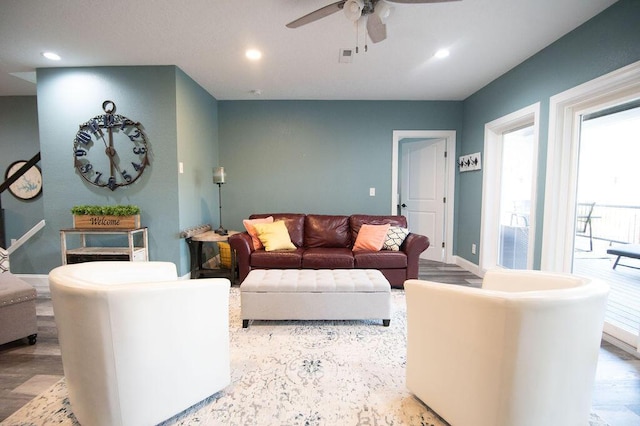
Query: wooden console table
<point x="88" y="253"/>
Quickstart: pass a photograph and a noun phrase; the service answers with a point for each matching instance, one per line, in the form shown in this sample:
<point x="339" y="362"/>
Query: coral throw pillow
<point x="248" y="225"/>
<point x="371" y="237"/>
<point x="274" y="236"/>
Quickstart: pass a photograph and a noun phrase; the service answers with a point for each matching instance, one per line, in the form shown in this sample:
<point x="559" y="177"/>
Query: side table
<point x="195" y="252"/>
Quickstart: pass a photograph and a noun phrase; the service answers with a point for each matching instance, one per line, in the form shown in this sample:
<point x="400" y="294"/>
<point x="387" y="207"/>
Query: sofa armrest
<point x="413" y="245"/>
<point x="242" y="244"/>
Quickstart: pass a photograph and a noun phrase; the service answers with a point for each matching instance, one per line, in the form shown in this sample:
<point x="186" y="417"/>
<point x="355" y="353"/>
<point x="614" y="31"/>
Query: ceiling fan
<point x="374" y="12"/>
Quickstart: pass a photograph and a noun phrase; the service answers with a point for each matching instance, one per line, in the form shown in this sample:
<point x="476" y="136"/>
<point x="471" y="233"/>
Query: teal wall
<point x="19" y="140"/>
<point x="316" y="156"/>
<point x="70" y="96"/>
<point x="609" y="41"/>
<point x="197" y="149"/>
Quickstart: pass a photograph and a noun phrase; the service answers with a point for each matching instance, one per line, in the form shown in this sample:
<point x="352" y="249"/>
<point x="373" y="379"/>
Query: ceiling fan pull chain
<point x="357" y="37"/>
<point x="362" y="32"/>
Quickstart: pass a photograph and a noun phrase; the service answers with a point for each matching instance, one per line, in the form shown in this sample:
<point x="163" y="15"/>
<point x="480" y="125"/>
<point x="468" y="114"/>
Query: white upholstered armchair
<point x="520" y="351"/>
<point x="138" y="344"/>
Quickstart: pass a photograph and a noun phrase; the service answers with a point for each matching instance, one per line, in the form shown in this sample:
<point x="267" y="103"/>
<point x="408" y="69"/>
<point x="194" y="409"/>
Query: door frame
<point x="565" y="109"/>
<point x="492" y="183"/>
<point x="562" y="158"/>
<point x="449" y="179"/>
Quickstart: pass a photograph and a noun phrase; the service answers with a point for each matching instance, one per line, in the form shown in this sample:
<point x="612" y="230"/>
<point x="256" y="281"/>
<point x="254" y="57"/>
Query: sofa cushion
<point x="379" y="259"/>
<point x="327" y="258"/>
<point x="280" y="259"/>
<point x="294" y="223"/>
<point x="395" y="237"/>
<point x="371" y="237"/>
<point x="274" y="236"/>
<point x="249" y="226"/>
<point x="326" y="231"/>
<point x="357" y="220"/>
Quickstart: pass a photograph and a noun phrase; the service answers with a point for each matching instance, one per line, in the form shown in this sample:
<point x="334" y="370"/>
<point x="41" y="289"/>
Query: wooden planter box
<point x="106" y="222"/>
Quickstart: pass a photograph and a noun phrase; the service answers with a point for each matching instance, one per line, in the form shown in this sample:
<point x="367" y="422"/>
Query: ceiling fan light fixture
<point x="442" y="53"/>
<point x="253" y="54"/>
<point x="51" y="56"/>
<point x="383" y="10"/>
<point x="353" y="9"/>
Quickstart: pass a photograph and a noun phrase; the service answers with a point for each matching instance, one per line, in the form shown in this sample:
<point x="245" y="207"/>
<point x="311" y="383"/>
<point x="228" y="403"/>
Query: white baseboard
<point x="39" y="282"/>
<point x="471" y="267"/>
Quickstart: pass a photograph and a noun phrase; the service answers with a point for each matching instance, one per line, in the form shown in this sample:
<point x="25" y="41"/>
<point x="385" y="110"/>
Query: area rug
<point x="314" y="373"/>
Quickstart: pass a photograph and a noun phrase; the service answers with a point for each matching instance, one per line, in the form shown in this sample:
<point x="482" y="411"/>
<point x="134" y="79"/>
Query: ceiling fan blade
<point x="420" y="1"/>
<point x="317" y="14"/>
<point x="375" y="28"/>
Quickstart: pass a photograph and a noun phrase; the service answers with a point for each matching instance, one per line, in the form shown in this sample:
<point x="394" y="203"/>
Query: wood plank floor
<point x="623" y="305"/>
<point x="26" y="371"/>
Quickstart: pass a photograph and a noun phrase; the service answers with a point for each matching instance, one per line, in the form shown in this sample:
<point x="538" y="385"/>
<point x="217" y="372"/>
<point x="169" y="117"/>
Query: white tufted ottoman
<point x="315" y="294"/>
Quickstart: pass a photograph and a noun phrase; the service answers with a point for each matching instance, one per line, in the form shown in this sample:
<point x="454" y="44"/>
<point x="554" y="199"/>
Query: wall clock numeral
<point x="83" y="137"/>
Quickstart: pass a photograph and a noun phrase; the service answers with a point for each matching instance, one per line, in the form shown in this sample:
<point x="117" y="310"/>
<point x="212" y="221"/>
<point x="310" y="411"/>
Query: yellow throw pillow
<point x="371" y="237"/>
<point x="274" y="236"/>
<point x="248" y="225"/>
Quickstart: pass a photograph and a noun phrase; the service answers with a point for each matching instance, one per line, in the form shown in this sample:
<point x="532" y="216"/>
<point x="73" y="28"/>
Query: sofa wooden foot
<point x="245" y="323"/>
<point x="32" y="338"/>
<point x="386" y="322"/>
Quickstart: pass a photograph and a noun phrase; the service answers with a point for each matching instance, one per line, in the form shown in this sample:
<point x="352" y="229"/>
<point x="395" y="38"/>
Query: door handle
<point x="403" y="205"/>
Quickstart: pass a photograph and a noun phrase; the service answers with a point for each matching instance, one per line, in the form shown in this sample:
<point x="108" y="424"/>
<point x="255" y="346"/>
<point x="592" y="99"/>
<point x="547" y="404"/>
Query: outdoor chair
<point x="584" y="215"/>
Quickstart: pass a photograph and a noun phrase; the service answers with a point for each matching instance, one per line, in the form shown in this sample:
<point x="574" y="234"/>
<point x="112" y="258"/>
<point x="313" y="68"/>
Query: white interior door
<point x="422" y="191"/>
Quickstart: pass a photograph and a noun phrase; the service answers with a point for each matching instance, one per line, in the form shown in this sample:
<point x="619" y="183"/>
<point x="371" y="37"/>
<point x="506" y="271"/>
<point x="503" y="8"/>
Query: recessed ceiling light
<point x="52" y="56"/>
<point x="253" y="54"/>
<point x="442" y="53"/>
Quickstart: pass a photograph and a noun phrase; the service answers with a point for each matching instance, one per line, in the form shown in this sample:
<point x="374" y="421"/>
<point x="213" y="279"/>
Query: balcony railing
<point x="616" y="223"/>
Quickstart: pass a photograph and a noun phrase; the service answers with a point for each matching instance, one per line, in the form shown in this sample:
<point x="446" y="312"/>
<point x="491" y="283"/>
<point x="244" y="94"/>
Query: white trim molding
<point x="565" y="110"/>
<point x="38" y="281"/>
<point x="491" y="182"/>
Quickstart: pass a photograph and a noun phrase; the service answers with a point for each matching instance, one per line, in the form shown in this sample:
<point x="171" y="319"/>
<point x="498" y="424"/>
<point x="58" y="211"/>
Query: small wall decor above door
<point x="470" y="162"/>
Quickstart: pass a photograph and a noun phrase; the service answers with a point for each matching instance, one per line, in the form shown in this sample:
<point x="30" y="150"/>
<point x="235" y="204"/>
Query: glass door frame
<point x="565" y="112"/>
<point x="491" y="183"/>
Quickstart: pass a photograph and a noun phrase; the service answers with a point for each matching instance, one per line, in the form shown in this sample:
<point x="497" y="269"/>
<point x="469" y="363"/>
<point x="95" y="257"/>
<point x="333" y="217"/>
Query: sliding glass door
<point x="608" y="211"/>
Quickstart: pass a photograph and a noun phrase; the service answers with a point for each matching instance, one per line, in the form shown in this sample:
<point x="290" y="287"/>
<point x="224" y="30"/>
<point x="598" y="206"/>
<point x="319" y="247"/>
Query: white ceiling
<point x="207" y="39"/>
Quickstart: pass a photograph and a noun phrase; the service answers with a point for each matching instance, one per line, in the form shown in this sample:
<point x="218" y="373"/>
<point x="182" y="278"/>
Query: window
<point x="509" y="191"/>
<point x="515" y="198"/>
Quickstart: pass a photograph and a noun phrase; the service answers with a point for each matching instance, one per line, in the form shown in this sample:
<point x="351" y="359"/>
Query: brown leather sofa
<point x="326" y="241"/>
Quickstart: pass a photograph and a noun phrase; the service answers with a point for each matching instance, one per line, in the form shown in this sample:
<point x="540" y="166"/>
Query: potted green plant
<point x="116" y="216"/>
